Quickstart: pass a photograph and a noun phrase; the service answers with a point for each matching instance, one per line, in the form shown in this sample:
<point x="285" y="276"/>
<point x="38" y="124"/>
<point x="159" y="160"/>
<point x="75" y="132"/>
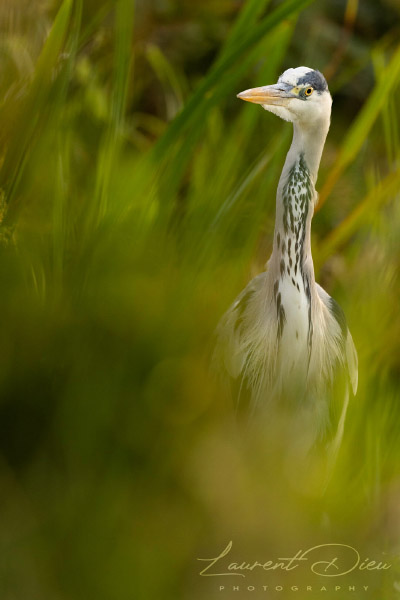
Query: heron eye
<point x="309" y="91"/>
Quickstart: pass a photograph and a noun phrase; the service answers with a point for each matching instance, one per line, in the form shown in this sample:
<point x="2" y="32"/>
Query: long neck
<point x="296" y="194"/>
<point x="309" y="142"/>
<point x="291" y="265"/>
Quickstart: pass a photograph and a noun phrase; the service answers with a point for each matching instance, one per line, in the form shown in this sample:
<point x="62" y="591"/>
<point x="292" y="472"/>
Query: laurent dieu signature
<point x="343" y="559"/>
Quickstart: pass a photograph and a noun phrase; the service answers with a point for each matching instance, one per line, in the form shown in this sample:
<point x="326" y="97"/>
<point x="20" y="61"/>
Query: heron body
<point x="284" y="339"/>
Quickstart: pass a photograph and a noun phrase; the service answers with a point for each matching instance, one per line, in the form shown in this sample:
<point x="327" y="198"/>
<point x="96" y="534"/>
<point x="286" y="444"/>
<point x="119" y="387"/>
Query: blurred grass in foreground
<point x="123" y="239"/>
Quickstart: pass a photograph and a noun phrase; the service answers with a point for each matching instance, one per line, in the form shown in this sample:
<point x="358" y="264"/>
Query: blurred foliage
<point x="137" y="198"/>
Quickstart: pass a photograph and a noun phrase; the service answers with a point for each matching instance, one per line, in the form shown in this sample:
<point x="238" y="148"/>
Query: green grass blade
<point x="33" y="106"/>
<point x="215" y="77"/>
<point x="363" y="123"/>
<point x="61" y="216"/>
<point x="122" y="79"/>
<point x="179" y="154"/>
<point x="94" y="23"/>
<point x="363" y="213"/>
<point x="168" y="77"/>
<point x="247" y="19"/>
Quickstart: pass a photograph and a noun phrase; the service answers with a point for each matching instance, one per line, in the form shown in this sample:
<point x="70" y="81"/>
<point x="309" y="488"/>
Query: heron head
<point x="301" y="96"/>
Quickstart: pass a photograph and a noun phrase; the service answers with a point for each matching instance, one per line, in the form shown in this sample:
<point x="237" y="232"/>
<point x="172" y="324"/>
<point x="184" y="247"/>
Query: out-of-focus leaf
<point x="363" y="123"/>
<point x="167" y="76"/>
<point x="247" y="19"/>
<point x="122" y="79"/>
<point x="216" y="75"/>
<point x="364" y="212"/>
<point x="34" y="105"/>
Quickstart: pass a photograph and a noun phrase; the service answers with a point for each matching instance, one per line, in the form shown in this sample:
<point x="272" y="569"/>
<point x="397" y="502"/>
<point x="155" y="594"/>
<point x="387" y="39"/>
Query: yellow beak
<point x="277" y="95"/>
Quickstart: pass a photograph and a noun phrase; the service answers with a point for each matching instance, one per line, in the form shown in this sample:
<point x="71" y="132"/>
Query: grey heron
<point x="285" y="340"/>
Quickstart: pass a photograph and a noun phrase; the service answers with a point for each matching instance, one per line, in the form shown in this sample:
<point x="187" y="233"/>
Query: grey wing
<point x="232" y="354"/>
<point x="346" y="373"/>
<point x="350" y="359"/>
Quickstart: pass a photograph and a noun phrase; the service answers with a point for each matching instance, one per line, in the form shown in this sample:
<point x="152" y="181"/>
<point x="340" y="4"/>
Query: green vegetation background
<point x="137" y="199"/>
